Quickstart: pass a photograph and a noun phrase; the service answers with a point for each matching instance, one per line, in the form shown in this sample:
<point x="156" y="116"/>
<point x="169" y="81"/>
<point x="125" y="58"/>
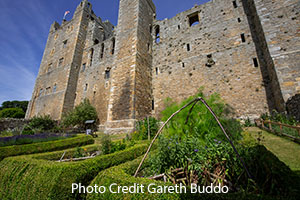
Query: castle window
<point x="234" y="4"/>
<point x="48" y="89"/>
<point x="102" y="51"/>
<point x="113" y="46"/>
<point x="107" y="74"/>
<point x="188" y="47"/>
<point x="49" y="67"/>
<point x="41" y="92"/>
<point x="243" y="38"/>
<point x="153" y="105"/>
<point x="60" y="62"/>
<point x="96" y="41"/>
<point x="157" y="35"/>
<point x="239" y="20"/>
<point x="178" y="27"/>
<point x="54" y="88"/>
<point x="86" y="87"/>
<point x="65" y="43"/>
<point x="83" y="67"/>
<point x="194" y="19"/>
<point x="255" y="62"/>
<point x="183" y="65"/>
<point x="91" y="56"/>
<point x="156" y="70"/>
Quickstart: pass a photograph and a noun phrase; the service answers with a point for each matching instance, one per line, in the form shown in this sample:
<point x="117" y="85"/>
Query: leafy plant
<point x="40" y="124"/>
<point x="15" y="104"/>
<point x="80" y="114"/>
<point x="279" y="117"/>
<point x="12" y="113"/>
<point x="106" y="144"/>
<point x="200" y="121"/>
<point x="142" y="129"/>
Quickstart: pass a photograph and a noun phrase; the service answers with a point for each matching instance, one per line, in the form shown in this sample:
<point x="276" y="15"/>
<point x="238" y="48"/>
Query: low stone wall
<point x="12" y="124"/>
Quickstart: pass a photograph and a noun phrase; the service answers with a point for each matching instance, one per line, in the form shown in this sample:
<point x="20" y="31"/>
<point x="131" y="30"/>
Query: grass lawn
<point x="286" y="150"/>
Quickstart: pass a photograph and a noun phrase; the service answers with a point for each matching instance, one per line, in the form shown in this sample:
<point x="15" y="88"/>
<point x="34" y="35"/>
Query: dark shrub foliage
<point x="12" y="113"/>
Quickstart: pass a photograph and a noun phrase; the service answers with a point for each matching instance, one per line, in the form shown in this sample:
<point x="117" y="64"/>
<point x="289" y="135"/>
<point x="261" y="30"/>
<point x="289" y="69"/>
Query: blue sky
<point x="24" y="26"/>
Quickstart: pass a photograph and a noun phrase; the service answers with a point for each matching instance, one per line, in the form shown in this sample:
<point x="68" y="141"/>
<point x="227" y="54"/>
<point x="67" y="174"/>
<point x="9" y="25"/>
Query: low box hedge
<point x="123" y="176"/>
<point x="25" y="177"/>
<point x="45" y="146"/>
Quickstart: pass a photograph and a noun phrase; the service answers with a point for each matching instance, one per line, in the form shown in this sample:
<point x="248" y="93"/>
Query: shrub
<point x="44" y="146"/>
<point x="142" y="129"/>
<point x="12" y="113"/>
<point x="80" y="114"/>
<point x="25" y="177"/>
<point x="280" y="117"/>
<point x="107" y="146"/>
<point x="40" y="124"/>
<point x="201" y="122"/>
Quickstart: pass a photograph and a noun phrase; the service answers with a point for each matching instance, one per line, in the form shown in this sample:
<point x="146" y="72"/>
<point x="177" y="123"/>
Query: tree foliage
<point x="81" y="113"/>
<point x="15" y="104"/>
<point x="12" y="113"/>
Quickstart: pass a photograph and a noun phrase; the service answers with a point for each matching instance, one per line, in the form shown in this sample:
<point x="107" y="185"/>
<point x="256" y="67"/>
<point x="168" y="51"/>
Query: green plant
<point x="200" y="122"/>
<point x="12" y="113"/>
<point x="15" y="104"/>
<point x="80" y="114"/>
<point x="45" y="146"/>
<point x="27" y="130"/>
<point x="248" y="123"/>
<point x="142" y="128"/>
<point x="106" y="144"/>
<point x="26" y="177"/>
<point x="279" y="117"/>
<point x="39" y="124"/>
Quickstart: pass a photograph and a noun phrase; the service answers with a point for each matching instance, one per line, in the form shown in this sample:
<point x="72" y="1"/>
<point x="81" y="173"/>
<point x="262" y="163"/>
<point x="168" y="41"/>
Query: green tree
<point x="81" y="113"/>
<point x="12" y="113"/>
<point x="15" y="104"/>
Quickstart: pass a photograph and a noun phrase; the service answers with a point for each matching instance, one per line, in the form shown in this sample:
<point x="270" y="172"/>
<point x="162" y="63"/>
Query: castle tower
<point x="54" y="91"/>
<point x="130" y="95"/>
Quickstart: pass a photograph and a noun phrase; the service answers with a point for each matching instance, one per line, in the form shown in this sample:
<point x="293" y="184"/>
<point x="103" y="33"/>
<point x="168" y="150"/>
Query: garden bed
<point x="31" y="177"/>
<point x="123" y="176"/>
<point x="29" y="139"/>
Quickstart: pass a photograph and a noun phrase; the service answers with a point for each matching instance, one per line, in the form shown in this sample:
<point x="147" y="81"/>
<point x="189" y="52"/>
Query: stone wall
<point x="11" y="124"/>
<point x="218" y="53"/>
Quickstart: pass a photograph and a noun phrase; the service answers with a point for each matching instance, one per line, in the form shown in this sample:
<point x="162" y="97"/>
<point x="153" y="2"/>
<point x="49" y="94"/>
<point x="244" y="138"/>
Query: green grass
<point x="286" y="150"/>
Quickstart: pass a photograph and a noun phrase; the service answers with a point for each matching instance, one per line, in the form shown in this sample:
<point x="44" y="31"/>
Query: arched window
<point x="157" y="34"/>
<point x="96" y="41"/>
<point x="91" y="56"/>
<point x="102" y="51"/>
<point x="113" y="46"/>
<point x="194" y="19"/>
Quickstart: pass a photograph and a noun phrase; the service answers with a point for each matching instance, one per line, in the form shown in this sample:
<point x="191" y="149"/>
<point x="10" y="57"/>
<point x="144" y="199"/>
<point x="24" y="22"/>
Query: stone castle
<point x="248" y="51"/>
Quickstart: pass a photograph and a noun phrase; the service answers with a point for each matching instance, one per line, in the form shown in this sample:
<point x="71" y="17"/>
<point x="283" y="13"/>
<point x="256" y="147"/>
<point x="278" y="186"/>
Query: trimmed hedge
<point x="45" y="146"/>
<point x="123" y="176"/>
<point x="25" y="177"/>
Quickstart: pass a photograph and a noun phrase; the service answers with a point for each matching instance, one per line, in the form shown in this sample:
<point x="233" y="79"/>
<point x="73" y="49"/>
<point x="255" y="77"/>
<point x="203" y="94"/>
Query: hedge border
<point x="25" y="177"/>
<point x="16" y="150"/>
